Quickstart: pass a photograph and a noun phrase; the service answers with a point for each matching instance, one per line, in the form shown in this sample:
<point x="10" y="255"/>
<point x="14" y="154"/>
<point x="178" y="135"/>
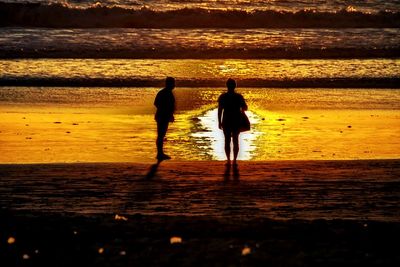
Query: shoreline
<point x="219" y="162"/>
<point x="369" y="83"/>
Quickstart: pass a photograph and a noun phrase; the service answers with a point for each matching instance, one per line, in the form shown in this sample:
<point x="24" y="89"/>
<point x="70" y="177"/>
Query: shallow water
<point x="117" y="125"/>
<point x="198" y="70"/>
<point x="173" y="43"/>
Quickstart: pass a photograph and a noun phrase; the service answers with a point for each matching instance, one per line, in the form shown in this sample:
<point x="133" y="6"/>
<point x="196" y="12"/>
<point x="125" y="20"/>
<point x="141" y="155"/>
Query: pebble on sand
<point x="246" y="251"/>
<point x="11" y="240"/>
<point x="120" y="218"/>
<point x="175" y="240"/>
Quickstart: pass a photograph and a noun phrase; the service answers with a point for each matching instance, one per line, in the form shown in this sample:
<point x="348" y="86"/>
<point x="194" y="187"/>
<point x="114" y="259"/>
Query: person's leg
<point x="235" y="139"/>
<point x="228" y="135"/>
<point x="162" y="127"/>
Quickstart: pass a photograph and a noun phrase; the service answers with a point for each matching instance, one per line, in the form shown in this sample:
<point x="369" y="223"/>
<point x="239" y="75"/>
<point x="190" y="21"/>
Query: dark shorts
<point x="229" y="130"/>
<point x="231" y="125"/>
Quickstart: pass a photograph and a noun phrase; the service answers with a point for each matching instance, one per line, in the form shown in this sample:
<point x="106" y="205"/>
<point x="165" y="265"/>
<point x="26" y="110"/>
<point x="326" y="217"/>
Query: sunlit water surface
<point x="156" y="42"/>
<point x="198" y="69"/>
<point x="117" y="124"/>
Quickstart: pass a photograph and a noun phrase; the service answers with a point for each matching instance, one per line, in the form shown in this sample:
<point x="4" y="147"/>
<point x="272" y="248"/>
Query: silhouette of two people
<point x="230" y="108"/>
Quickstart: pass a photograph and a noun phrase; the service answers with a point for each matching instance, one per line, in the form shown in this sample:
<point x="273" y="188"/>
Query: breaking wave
<point x="57" y="15"/>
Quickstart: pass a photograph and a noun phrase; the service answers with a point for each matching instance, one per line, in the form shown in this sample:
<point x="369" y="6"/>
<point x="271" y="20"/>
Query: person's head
<point x="231" y="85"/>
<point x="170" y="83"/>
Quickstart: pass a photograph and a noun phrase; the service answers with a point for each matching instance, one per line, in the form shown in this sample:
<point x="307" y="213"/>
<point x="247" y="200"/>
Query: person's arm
<point x="219" y="113"/>
<point x="157" y="100"/>
<point x="172" y="118"/>
<point x="243" y="104"/>
<point x="220" y="117"/>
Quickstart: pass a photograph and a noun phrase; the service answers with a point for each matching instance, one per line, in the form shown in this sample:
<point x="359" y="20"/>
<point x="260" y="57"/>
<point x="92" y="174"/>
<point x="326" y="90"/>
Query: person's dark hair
<point x="170" y="82"/>
<point x="231" y="84"/>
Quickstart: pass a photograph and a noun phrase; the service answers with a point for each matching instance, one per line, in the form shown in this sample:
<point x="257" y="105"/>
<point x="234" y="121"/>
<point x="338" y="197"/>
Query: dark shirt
<point x="232" y="105"/>
<point x="165" y="103"/>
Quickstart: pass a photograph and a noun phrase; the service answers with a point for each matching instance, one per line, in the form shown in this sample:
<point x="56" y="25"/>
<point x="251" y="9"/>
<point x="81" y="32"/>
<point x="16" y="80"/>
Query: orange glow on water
<point x="186" y="69"/>
<point x="117" y="125"/>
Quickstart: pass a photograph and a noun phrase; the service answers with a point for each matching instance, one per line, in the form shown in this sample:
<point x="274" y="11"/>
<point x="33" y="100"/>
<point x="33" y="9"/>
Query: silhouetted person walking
<point x="230" y="107"/>
<point x="165" y="104"/>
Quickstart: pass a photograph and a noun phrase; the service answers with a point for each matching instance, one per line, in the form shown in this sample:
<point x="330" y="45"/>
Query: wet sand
<point x="41" y="125"/>
<point x="286" y="213"/>
<point x="367" y="189"/>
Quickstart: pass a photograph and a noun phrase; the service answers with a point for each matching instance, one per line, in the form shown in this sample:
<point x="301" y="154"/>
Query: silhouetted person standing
<point x="165" y="104"/>
<point x="230" y="106"/>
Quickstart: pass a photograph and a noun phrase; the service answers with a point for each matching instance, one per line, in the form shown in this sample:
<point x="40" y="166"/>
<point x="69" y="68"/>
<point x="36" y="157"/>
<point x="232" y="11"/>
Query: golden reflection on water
<point x="117" y="125"/>
<point x="189" y="69"/>
<point x="211" y="138"/>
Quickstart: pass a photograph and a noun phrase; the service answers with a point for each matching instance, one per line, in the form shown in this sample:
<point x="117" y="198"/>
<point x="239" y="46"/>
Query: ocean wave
<point x="57" y="15"/>
<point x="244" y="83"/>
<point x="232" y="53"/>
<point x="17" y="42"/>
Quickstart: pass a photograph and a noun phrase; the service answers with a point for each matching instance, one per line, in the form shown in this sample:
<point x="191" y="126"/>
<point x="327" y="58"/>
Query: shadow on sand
<point x="152" y="171"/>
<point x="229" y="173"/>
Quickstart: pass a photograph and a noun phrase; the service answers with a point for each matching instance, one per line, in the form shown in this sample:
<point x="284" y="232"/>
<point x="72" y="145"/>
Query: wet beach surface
<point x="70" y="125"/>
<point x="368" y="189"/>
<point x="286" y="213"/>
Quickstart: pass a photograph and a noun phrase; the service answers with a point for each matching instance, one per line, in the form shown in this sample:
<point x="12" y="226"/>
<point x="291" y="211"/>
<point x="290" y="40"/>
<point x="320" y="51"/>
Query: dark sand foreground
<point x="288" y="213"/>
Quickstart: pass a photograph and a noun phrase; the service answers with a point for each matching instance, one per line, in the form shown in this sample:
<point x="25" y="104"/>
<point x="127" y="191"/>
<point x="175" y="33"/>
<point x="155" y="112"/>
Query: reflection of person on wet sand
<point x="235" y="175"/>
<point x="230" y="107"/>
<point x="165" y="104"/>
